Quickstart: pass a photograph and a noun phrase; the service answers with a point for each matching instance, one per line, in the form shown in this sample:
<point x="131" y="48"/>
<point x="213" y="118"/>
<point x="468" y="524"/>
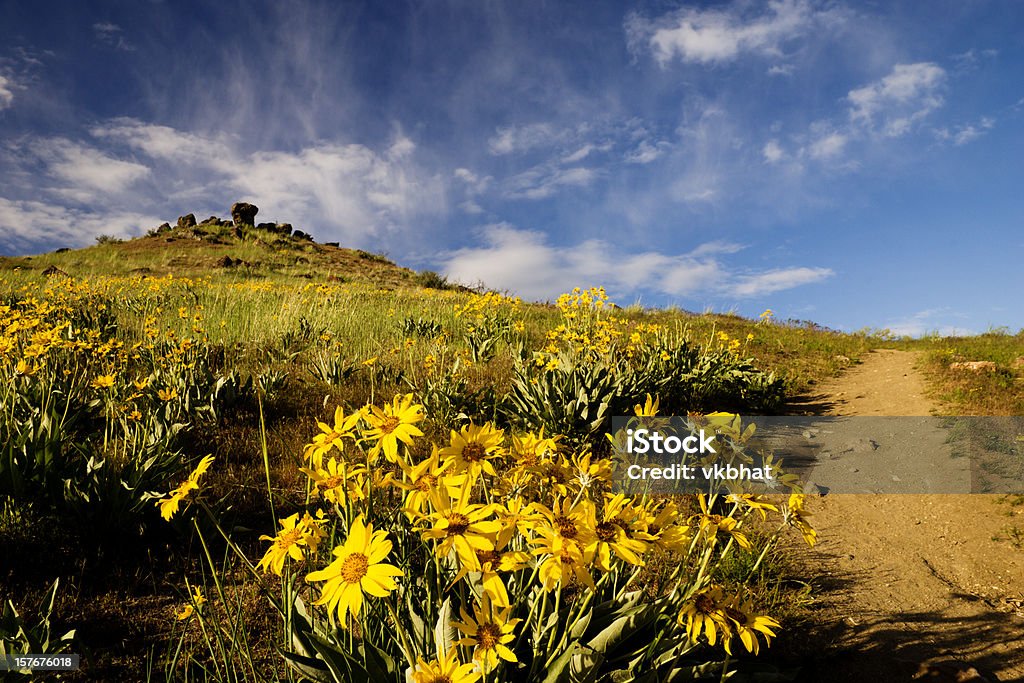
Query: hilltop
<point x="238" y="246"/>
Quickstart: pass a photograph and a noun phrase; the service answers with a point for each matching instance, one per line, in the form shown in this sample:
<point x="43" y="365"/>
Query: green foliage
<point x="20" y="636"/>
<point x="428" y="279"/>
<point x="420" y="327"/>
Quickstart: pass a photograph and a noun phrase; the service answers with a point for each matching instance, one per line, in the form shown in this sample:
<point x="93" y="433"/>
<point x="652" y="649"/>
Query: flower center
<point x="389" y="424"/>
<point x="332" y="482"/>
<point x="605" y="531"/>
<point x="289" y="538"/>
<point x="488" y="636"/>
<point x="566" y="527"/>
<point x="473" y="452"/>
<point x="458" y="524"/>
<point x="736" y="615"/>
<point x="705" y="604"/>
<point x="354" y="567"/>
<point x="492" y="556"/>
<point x="426" y="483"/>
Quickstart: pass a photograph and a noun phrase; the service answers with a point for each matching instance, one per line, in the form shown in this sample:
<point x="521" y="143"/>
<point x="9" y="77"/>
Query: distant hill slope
<point x="222" y="246"/>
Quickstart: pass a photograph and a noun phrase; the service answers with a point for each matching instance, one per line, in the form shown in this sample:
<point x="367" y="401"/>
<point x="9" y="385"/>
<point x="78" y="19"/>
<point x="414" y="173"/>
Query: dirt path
<point x="910" y="580"/>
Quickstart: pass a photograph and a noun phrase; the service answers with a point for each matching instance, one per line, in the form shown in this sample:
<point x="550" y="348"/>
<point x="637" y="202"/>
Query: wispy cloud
<point x="522" y="261"/>
<point x="518" y="139"/>
<point x="895" y="102"/>
<point x="828" y="146"/>
<point x="83" y="170"/>
<point x="928" y="321"/>
<point x="543" y="181"/>
<point x="722" y="35"/>
<point x="337" y="191"/>
<point x="961" y="135"/>
<point x="26" y="224"/>
<point x="778" y="280"/>
<point x="111" y="34"/>
<point x="6" y="92"/>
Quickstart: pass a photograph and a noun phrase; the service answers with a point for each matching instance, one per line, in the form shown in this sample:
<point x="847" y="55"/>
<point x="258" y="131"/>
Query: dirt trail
<point x="908" y="580"/>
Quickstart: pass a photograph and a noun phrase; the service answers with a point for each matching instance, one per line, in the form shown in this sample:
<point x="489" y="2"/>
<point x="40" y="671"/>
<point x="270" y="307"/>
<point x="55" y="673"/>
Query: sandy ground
<point x="909" y="581"/>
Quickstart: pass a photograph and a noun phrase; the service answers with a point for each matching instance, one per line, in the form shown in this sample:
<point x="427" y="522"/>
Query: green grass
<point x="966" y="392"/>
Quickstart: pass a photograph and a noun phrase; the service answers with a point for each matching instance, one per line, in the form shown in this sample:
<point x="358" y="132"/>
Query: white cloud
<point x="471" y="207"/>
<point x="346" y="192"/>
<point x="828" y="146"/>
<point x="772" y="152"/>
<point x="645" y="152"/>
<point x="544" y="180"/>
<point x="780" y="70"/>
<point x="894" y="103"/>
<point x="579" y="155"/>
<point x="6" y="92"/>
<point x="523" y="262"/>
<point x="777" y="280"/>
<point x="928" y="321"/>
<point x="25" y="224"/>
<point x="86" y="169"/>
<point x="169" y="144"/>
<point x="961" y="135"/>
<point x="475" y="184"/>
<point x="517" y="139"/>
<point x="722" y="35"/>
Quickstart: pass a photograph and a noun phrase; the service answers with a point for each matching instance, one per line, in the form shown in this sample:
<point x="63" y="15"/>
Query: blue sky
<point x="855" y="164"/>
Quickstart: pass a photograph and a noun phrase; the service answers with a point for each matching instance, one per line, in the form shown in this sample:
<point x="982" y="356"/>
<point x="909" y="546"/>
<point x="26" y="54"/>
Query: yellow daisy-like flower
<point x="591" y="472"/>
<point x="460" y="526"/>
<point x="167" y="395"/>
<point x="612" y="534"/>
<point x="358" y="569"/>
<point x="704" y="614"/>
<point x="393" y="424"/>
<point x="572" y="522"/>
<point x="491" y="562"/>
<point x="338" y="482"/>
<point x="421" y="479"/>
<point x="330" y="436"/>
<point x="198" y="599"/>
<point x="169" y="505"/>
<point x="713" y="524"/>
<point x="447" y="669"/>
<point x="473" y="447"/>
<point x="565" y="562"/>
<point x="649" y="408"/>
<point x="294" y="536"/>
<point x="753" y="502"/>
<point x="530" y="448"/>
<point x="795" y="515"/>
<point x="488" y="631"/>
<point x="746" y="625"/>
<point x="102" y="382"/>
<point x="663" y="533"/>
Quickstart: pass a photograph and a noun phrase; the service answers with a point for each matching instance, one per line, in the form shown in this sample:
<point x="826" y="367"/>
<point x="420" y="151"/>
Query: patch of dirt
<point x="908" y="582"/>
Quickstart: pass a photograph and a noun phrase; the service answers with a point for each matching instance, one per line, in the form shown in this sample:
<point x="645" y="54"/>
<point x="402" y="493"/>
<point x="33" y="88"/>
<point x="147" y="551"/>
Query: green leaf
<point x="444" y="631"/>
<point x="558" y="671"/>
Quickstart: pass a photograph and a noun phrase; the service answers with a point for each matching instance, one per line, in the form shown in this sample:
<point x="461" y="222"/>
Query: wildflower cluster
<point x="510" y="542"/>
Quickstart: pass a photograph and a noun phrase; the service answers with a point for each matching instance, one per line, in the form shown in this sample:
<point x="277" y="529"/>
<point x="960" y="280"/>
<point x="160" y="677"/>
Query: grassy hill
<point x="127" y="363"/>
<point x="219" y="250"/>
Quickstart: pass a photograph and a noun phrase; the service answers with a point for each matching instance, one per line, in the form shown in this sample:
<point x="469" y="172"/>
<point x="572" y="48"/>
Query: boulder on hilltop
<point x="243" y="213"/>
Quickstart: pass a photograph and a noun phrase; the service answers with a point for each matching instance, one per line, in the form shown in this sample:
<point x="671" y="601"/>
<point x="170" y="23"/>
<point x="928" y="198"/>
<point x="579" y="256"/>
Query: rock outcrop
<point x="243" y="213"/>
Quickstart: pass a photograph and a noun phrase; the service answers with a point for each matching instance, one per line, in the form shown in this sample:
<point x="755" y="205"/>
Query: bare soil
<point x="909" y="586"/>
